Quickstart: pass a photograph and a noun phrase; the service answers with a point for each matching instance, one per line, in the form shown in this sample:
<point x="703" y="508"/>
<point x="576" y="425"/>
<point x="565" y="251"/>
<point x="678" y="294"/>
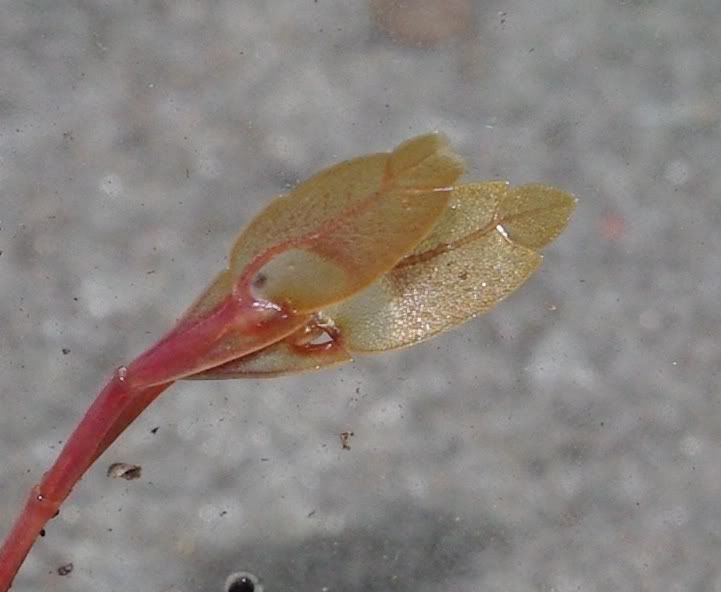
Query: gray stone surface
<point x="570" y="440"/>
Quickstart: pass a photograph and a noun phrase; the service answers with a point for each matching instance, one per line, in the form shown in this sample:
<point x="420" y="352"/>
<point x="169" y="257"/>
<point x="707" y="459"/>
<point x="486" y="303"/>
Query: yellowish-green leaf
<point x="336" y="233"/>
<point x="479" y="252"/>
<point x="533" y="215"/>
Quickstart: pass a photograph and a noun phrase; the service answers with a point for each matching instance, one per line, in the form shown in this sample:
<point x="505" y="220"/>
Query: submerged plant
<point x="372" y="254"/>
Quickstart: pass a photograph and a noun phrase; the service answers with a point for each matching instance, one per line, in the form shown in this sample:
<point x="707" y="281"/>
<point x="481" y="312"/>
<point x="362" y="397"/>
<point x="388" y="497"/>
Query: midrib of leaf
<point x="442" y="248"/>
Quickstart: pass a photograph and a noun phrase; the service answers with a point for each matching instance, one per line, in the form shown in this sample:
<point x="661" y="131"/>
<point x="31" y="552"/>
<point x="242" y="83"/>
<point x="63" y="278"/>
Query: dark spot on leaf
<point x="260" y="280"/>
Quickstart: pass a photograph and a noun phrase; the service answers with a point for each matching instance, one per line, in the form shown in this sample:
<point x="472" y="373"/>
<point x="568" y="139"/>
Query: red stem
<point x="141" y="401"/>
<point x="115" y="407"/>
<point x="186" y="350"/>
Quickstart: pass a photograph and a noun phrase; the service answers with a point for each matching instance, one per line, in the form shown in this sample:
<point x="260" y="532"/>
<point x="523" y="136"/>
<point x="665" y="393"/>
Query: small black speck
<point x="155" y="430"/>
<point x="42" y="532"/>
<point x="66" y="351"/>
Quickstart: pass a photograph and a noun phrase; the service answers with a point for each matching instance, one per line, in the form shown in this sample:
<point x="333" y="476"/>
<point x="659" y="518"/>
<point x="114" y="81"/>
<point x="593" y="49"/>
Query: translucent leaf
<point x="337" y="232"/>
<point x="470" y="262"/>
<point x="235" y="347"/>
<point x="296" y="353"/>
<point x="534" y="215"/>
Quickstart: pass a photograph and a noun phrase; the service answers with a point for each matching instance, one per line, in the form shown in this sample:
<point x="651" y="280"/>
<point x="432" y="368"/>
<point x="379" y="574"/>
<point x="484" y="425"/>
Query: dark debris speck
<point x="66" y="569"/>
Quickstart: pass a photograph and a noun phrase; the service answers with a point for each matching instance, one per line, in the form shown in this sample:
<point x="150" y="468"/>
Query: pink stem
<point x="107" y="417"/>
<point x="187" y="349"/>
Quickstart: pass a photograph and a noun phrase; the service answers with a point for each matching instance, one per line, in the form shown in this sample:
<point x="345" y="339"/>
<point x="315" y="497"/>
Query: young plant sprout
<point x="372" y="254"/>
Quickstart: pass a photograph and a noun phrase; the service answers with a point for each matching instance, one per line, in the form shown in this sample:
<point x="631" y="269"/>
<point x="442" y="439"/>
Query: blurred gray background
<point x="569" y="440"/>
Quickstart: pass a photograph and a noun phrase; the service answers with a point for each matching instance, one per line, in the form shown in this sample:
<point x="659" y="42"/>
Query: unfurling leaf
<point x="480" y="250"/>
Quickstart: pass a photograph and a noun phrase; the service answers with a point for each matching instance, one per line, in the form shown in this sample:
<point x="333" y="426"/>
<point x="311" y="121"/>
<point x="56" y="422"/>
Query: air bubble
<point x="242" y="581"/>
<point x="502" y="231"/>
<point x="122" y="373"/>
